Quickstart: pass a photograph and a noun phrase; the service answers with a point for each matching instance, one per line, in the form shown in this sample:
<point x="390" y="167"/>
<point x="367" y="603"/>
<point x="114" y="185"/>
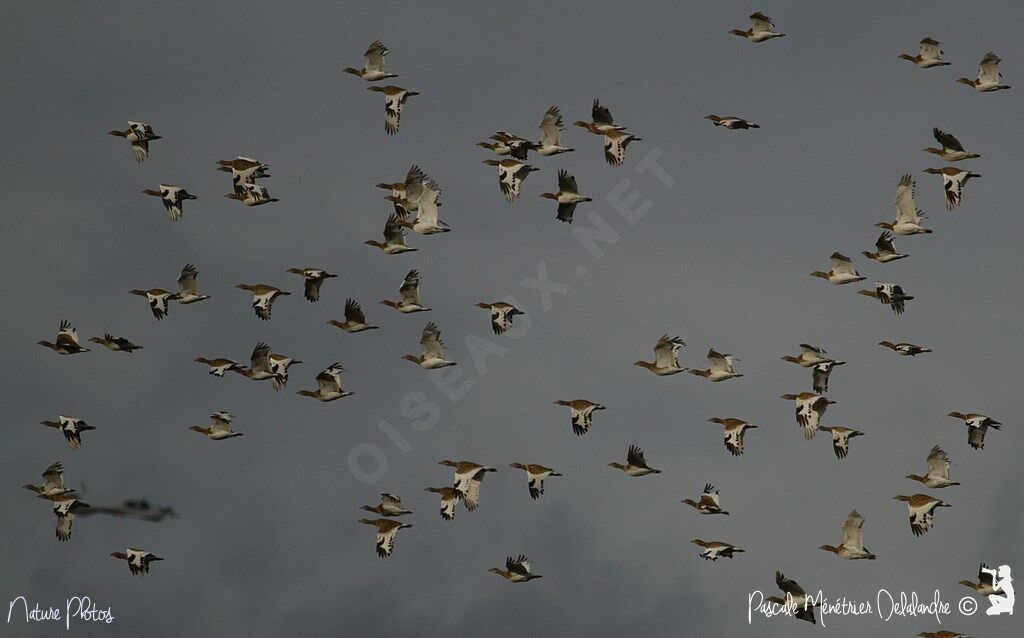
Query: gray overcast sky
<point x="268" y="543"/>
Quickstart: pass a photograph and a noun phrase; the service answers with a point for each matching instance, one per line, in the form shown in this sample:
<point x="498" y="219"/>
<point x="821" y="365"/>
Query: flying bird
<point x="244" y="172"/>
<point x="260" y="368"/>
<point x="885" y="250"/>
<point x="502" y="314"/>
<point x="809" y="356"/>
<point x="172" y="197"/>
<point x="842" y="271"/>
<point x="314" y="277"/>
<point x="53" y="483"/>
<point x="373" y="64"/>
<point x="64" y="509"/>
<point x="731" y="122"/>
<point x="505" y="143"/>
<point x="511" y="175"/>
<point x="889" y="294"/>
<point x="908" y="216"/>
<point x="797" y="600"/>
<point x="394" y="102"/>
<point x="635" y="465"/>
<point x="263" y="297"/>
<point x="71" y="428"/>
<point x="390" y="505"/>
<point x="394" y="238"/>
<point x="761" y="29"/>
<point x="158" y="299"/>
<point x="989" y="77"/>
<point x="426" y="222"/>
<point x="117" y="344"/>
<point x="708" y="503"/>
<point x="904" y="349"/>
<point x="467" y="480"/>
<point x="977" y="425"/>
<point x="517" y="570"/>
<point x="449" y="499"/>
<point x="581" y="414"/>
<point x="551" y="128"/>
<point x="714" y="549"/>
<point x="67" y="340"/>
<point x="432" y="348"/>
<point x="139" y="135"/>
<point x="386" y="532"/>
<point x="138" y="560"/>
<point x="852" y="546"/>
<point x="188" y="291"/>
<point x="820" y="374"/>
<point x="601" y="120"/>
<point x="953" y="182"/>
<point x="219" y="428"/>
<point x="409" y="295"/>
<point x="568" y="196"/>
<point x="986" y="584"/>
<point x="355" y="320"/>
<point x="840" y="438"/>
<point x="535" y="475"/>
<point x="952" y="150"/>
<point x="328" y="385"/>
<point x="921" y="508"/>
<point x="719" y="367"/>
<point x="220" y="365"/>
<point x="930" y="55"/>
<point x="810" y="407"/>
<point x="733" y="430"/>
<point x="937" y="476"/>
<point x="252" y="194"/>
<point x="666" y="357"/>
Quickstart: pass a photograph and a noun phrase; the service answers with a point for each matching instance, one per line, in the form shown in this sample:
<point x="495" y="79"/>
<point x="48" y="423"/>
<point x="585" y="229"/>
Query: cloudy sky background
<point x="268" y="543"/>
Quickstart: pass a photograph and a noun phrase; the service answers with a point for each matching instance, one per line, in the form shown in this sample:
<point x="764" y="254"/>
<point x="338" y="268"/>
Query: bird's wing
<point x="906" y="209"/>
<point x="353" y="311"/>
<point x="853" y="531"/>
<point x="551" y="128"/>
<point x="947" y="140"/>
<point x="410" y="289"/>
<point x="430" y="342"/>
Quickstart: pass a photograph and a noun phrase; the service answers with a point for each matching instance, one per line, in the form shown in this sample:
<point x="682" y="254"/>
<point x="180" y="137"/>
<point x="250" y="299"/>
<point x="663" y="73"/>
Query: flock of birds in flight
<point x="419" y="194"/>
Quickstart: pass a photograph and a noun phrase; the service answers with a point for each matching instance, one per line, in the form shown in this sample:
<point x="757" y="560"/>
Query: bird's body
<point x="71" y="428"/>
<point x="517" y="570"/>
<point x="468" y="478"/>
<point x="394" y="238"/>
<point x="929" y="57"/>
<point x="708" y="503"/>
<point x="799" y="603"/>
<point x="885" y="249"/>
<point x="977" y="426"/>
<point x="355" y="320"/>
<point x="432" y="349"/>
<point x="67" y="340"/>
<point x="449" y="499"/>
<point x="188" y="291"/>
<point x="840" y="438"/>
<point x="139" y="135"/>
<point x="64" y="510"/>
<point x="581" y="414"/>
<point x="117" y="344"/>
<point x="138" y="560"/>
<point x="635" y="465"/>
<point x="260" y="368"/>
<point x="908" y="217"/>
<point x="810" y="407"/>
<point x="989" y="77"/>
<point x="904" y="349"/>
<point x="328" y="385"/>
<point x="219" y="428"/>
<point x="53" y="483"/>
<point x="568" y="196"/>
<point x="842" y="271"/>
<point x="158" y="299"/>
<point x="761" y="29"/>
<point x="666" y="357"/>
<point x="719" y="367"/>
<point x="511" y="175"/>
<point x="390" y="505"/>
<point x="409" y="295"/>
<point x="551" y="128"/>
<point x="373" y="65"/>
<point x="852" y="547"/>
<point x="219" y="366"/>
<point x="502" y="314"/>
<point x="730" y="122"/>
<point x="715" y="549"/>
<point x="263" y="297"/>
<point x="733" y="431"/>
<point x="387" y="530"/>
<point x="952" y="150"/>
<point x="394" y="102"/>
<point x="535" y="475"/>
<point x="313" y="278"/>
<point x="921" y="508"/>
<point x="937" y="476"/>
<point x="953" y="181"/>
<point x="889" y="294"/>
<point x="172" y="198"/>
